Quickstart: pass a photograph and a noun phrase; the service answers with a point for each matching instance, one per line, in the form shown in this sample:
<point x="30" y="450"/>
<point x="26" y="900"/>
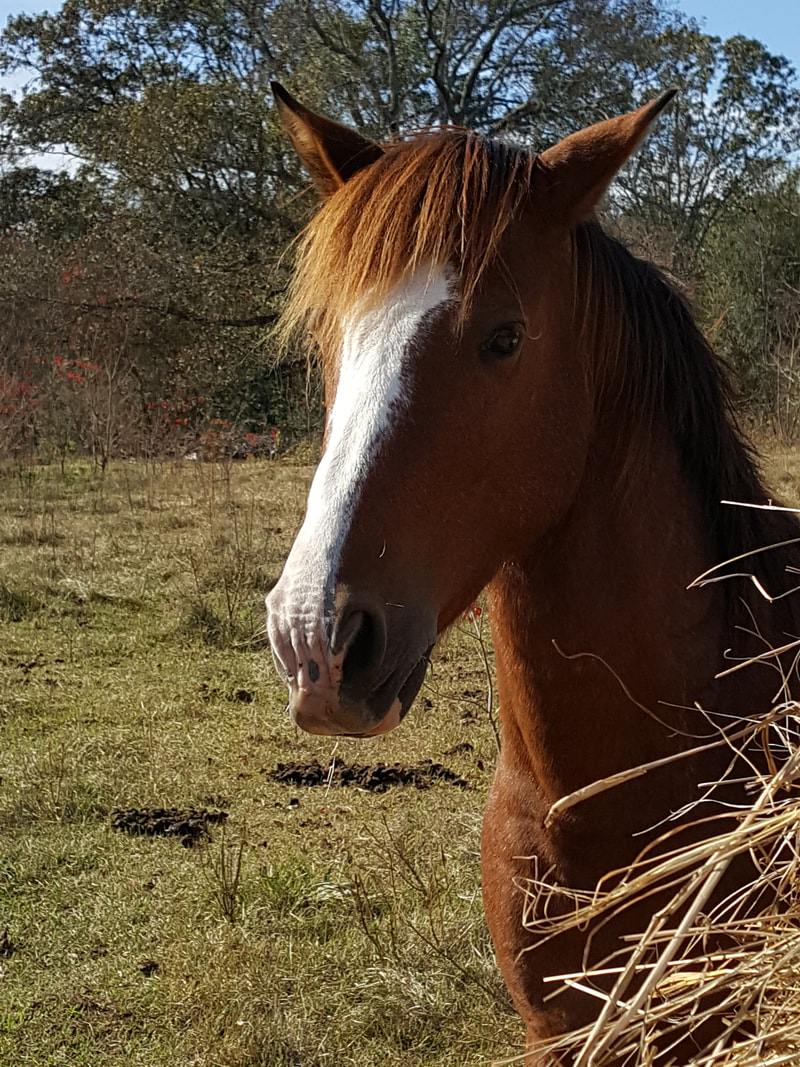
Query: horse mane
<point x="659" y="374"/>
<point x="448" y="196"/>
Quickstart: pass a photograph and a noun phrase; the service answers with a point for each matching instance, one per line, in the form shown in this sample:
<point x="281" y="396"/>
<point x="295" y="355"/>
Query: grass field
<point x="319" y="926"/>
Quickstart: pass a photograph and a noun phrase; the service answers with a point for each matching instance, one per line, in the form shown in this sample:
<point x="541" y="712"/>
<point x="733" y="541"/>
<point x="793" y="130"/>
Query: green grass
<point x="346" y="930"/>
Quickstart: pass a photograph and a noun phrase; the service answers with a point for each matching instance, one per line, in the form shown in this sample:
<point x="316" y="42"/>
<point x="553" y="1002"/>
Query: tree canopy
<point x="162" y="244"/>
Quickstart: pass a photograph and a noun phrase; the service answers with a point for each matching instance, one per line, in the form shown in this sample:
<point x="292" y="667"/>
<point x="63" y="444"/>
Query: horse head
<point x="437" y="283"/>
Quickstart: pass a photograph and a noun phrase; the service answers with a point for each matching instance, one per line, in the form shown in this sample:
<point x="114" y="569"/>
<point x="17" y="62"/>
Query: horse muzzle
<point x="329" y="711"/>
<point x="354" y="673"/>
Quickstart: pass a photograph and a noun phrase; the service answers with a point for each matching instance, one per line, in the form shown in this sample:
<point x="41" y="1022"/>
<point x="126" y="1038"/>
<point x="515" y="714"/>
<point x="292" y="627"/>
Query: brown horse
<point x="454" y="283"/>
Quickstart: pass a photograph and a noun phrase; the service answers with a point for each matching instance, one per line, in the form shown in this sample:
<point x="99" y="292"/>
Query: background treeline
<point x="140" y="283"/>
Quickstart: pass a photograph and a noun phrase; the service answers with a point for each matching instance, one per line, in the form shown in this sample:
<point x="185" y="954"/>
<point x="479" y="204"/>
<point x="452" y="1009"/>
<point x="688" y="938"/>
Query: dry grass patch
<point x="326" y="925"/>
<point x="732" y="964"/>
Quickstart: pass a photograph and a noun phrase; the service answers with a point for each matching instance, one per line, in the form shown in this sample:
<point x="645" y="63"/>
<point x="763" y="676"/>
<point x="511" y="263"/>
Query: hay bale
<point x="726" y="971"/>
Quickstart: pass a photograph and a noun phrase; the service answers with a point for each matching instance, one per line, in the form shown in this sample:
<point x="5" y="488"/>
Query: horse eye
<point x="503" y="342"/>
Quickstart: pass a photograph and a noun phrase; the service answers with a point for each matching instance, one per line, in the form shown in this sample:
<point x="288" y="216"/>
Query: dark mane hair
<point x="449" y="196"/>
<point x="667" y="377"/>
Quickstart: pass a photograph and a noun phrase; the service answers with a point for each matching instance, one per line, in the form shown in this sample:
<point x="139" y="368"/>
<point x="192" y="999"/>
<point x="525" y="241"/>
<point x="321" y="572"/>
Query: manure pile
<point x="372" y="778"/>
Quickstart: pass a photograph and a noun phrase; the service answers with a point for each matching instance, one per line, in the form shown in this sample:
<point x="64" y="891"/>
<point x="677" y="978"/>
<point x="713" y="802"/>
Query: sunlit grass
<point x="134" y="673"/>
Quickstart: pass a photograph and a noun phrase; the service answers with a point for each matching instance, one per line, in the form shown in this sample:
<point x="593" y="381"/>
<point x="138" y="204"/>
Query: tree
<point x="748" y="284"/>
<point x="725" y="138"/>
<point x="171" y="213"/>
<point x="184" y="192"/>
<point x="528" y="67"/>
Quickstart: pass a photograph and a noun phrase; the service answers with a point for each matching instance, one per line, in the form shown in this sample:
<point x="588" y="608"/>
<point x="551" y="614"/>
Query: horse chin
<point x="393" y="717"/>
<point x="402" y="704"/>
<point x="329" y="717"/>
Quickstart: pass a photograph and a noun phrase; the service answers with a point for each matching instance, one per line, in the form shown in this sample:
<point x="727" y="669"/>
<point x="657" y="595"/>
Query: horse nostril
<point x="361" y="650"/>
<point x="361" y="635"/>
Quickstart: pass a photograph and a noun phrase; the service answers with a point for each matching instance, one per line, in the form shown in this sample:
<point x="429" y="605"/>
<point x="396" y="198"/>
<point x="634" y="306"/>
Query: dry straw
<point x="736" y="959"/>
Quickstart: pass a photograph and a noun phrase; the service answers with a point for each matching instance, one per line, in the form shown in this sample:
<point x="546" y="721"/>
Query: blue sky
<point x="776" y="23"/>
<point x="16" y="7"/>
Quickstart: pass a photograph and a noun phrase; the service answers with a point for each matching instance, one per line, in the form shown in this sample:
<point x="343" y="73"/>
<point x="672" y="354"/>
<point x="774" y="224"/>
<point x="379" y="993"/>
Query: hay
<point x="737" y="961"/>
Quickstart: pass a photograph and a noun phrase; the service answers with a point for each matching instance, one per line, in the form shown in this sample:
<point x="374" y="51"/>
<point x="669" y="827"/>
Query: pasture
<point x="319" y="925"/>
<point x="326" y="925"/>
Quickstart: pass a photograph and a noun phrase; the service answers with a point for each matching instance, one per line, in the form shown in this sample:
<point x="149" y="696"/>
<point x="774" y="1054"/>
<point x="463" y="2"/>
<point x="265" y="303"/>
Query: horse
<point x="450" y="282"/>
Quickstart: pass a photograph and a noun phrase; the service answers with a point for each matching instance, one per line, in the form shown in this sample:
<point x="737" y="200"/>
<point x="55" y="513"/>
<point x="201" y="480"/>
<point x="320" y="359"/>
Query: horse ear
<point x="330" y="152"/>
<point x="579" y="169"/>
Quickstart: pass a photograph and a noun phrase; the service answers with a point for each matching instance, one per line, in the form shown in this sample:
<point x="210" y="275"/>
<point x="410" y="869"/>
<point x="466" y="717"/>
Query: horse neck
<point x="599" y="645"/>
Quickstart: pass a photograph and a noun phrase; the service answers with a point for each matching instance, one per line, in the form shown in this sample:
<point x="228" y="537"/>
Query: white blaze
<point x="373" y="387"/>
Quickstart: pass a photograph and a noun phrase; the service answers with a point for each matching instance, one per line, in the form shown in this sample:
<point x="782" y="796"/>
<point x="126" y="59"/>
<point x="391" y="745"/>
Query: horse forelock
<point x="443" y="198"/>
